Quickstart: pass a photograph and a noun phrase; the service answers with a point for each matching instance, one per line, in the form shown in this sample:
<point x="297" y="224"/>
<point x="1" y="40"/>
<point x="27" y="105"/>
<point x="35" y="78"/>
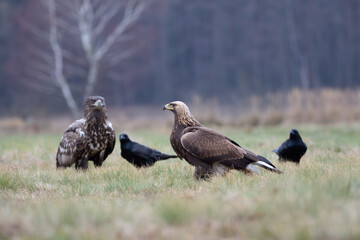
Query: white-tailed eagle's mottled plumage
<point x="91" y="138"/>
<point x="208" y="151"/>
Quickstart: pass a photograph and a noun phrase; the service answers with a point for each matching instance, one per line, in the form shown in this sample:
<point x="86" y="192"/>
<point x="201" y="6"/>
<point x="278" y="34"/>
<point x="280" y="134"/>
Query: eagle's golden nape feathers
<point x="182" y="113"/>
<point x="208" y="151"/>
<point x="91" y="138"/>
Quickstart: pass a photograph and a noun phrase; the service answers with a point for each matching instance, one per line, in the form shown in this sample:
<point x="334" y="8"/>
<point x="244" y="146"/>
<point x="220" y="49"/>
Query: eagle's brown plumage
<point x="91" y="138"/>
<point x="208" y="151"/>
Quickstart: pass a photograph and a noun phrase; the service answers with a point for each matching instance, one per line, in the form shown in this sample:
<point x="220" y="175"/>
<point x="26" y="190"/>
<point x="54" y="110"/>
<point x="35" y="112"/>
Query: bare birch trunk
<point x="94" y="25"/>
<point x="89" y="33"/>
<point x="58" y="61"/>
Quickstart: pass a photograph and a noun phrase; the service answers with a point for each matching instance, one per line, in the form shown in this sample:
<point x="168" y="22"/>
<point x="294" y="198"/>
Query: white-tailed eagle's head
<point x="94" y="106"/>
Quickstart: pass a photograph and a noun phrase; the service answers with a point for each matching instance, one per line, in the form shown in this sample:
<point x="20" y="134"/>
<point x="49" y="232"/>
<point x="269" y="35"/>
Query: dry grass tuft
<point x="13" y="124"/>
<point x="322" y="106"/>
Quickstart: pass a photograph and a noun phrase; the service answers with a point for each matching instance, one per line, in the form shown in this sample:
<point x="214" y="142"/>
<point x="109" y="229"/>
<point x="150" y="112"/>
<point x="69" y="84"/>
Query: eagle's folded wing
<point x="210" y="146"/>
<point x="72" y="144"/>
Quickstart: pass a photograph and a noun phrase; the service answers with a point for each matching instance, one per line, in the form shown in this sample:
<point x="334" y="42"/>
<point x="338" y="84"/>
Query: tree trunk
<point x="58" y="61"/>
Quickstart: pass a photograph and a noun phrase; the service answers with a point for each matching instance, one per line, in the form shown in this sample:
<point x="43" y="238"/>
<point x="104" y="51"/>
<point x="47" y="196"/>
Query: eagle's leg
<point x="202" y="173"/>
<point x="98" y="163"/>
<point x="82" y="164"/>
<point x="63" y="161"/>
<point x="58" y="165"/>
<point x="99" y="159"/>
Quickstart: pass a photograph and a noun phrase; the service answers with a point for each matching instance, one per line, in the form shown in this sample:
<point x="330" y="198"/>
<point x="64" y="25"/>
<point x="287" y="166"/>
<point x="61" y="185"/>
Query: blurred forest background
<point x="268" y="55"/>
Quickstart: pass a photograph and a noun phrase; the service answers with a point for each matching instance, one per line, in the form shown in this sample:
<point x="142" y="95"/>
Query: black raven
<point x="292" y="149"/>
<point x="140" y="155"/>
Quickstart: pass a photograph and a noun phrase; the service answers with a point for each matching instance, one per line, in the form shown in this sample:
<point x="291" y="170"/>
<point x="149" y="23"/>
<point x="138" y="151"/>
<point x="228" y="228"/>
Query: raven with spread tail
<point x="91" y="138"/>
<point x="208" y="151"/>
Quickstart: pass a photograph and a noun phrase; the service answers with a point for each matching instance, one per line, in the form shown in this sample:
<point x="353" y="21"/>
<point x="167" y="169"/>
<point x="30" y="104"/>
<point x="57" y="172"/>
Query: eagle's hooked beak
<point x="98" y="103"/>
<point x="168" y="107"/>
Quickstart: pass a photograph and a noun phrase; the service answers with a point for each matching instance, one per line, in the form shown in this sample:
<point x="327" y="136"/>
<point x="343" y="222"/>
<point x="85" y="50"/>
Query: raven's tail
<point x="165" y="156"/>
<point x="264" y="163"/>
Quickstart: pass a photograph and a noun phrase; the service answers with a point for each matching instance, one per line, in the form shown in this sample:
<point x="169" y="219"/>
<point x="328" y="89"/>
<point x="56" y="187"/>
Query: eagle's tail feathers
<point x="267" y="165"/>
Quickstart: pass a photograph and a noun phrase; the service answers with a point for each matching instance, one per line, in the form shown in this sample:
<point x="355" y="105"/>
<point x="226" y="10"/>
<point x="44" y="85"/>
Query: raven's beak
<point x="98" y="103"/>
<point x="168" y="107"/>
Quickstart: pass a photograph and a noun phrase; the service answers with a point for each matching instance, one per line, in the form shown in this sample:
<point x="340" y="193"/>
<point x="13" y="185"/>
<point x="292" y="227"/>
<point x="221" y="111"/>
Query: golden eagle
<point x="208" y="151"/>
<point x="91" y="138"/>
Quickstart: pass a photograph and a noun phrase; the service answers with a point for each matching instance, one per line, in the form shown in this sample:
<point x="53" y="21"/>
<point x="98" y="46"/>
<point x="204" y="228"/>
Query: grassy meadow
<point x="320" y="199"/>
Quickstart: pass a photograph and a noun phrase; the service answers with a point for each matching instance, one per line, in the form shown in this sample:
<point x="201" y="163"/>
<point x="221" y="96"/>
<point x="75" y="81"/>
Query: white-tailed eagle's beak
<point x="168" y="107"/>
<point x="98" y="103"/>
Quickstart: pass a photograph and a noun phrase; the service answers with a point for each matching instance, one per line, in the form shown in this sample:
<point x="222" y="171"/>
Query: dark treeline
<point x="228" y="50"/>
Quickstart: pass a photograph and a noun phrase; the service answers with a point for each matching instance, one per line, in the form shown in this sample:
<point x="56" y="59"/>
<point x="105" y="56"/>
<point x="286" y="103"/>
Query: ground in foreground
<point x="317" y="200"/>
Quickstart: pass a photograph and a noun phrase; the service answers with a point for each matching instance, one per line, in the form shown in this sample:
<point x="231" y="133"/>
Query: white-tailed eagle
<point x="91" y="138"/>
